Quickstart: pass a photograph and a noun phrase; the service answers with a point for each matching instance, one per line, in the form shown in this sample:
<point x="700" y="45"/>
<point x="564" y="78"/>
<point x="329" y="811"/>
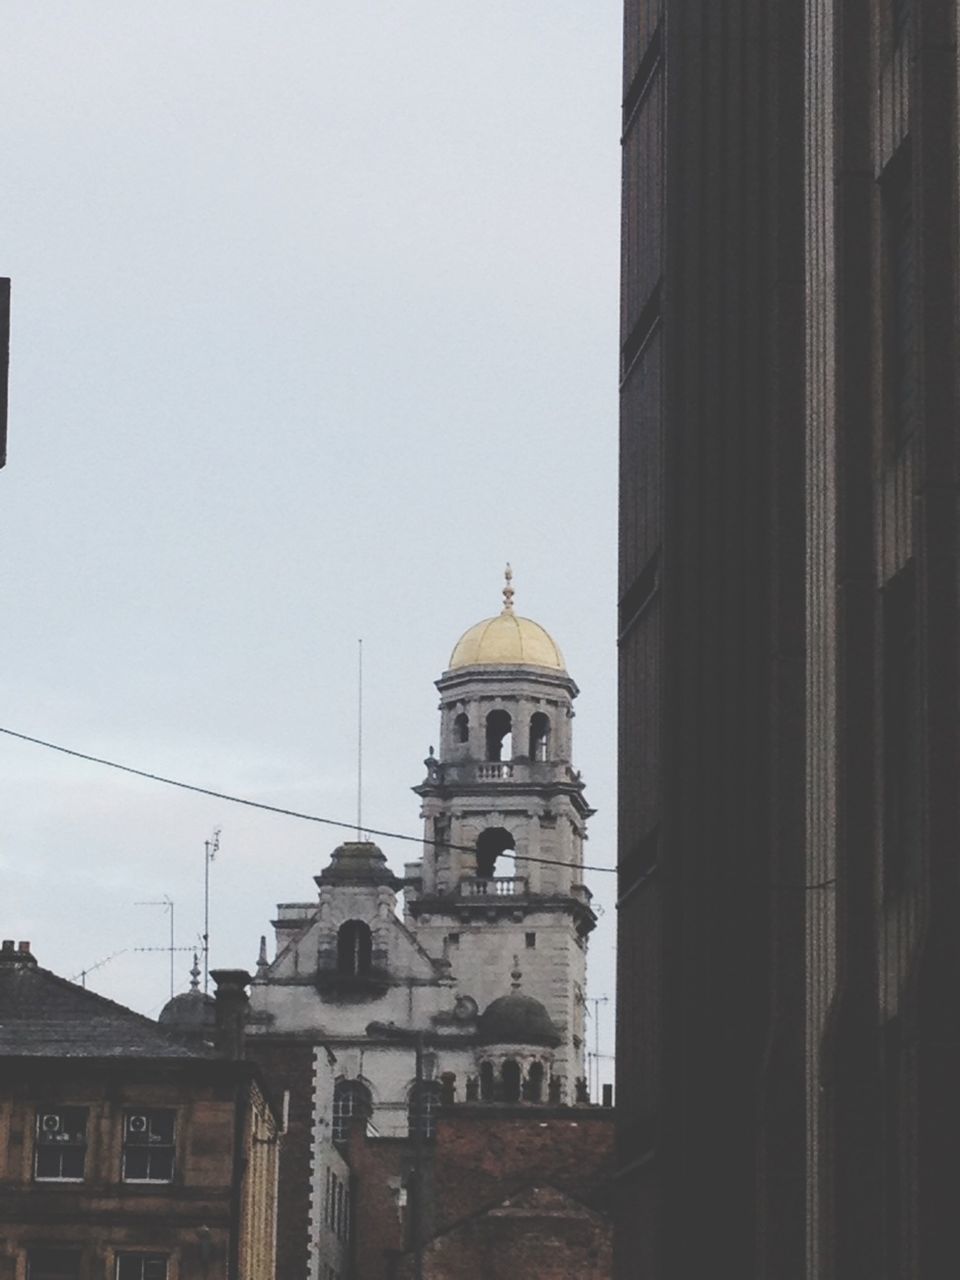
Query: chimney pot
<point x="8" y="944"/>
<point x="24" y="947"/>
<point x="230" y="1010"/>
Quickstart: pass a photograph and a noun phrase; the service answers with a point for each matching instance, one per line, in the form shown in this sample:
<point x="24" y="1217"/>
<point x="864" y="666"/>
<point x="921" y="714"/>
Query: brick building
<point x="510" y="1191"/>
<point x="126" y="1154"/>
<point x="789" y="971"/>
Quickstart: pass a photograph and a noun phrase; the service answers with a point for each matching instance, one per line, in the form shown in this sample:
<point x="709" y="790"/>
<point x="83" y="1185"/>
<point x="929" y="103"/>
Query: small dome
<point x="507" y="641"/>
<point x="517" y="1019"/>
<point x="357" y="862"/>
<point x="190" y="1014"/>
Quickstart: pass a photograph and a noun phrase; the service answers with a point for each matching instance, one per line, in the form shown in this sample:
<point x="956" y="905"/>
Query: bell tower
<point x="499" y="893"/>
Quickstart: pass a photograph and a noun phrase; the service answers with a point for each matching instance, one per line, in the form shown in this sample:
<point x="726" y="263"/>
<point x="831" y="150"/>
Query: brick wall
<point x="552" y="1164"/>
<point x="484" y="1153"/>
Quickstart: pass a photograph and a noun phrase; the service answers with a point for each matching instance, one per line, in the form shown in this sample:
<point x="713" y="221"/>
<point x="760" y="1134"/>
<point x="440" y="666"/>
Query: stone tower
<point x="500" y="891"/>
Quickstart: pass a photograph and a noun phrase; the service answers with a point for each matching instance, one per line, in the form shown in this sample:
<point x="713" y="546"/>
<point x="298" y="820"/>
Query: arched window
<point x="426" y="1114"/>
<point x="499" y="739"/>
<point x="354" y="948"/>
<point x="534" y="1089"/>
<point x="350" y="1098"/>
<point x="486" y="1081"/>
<point x="461" y="727"/>
<point x="490" y="845"/>
<point x="510" y="1075"/>
<point x="539" y="736"/>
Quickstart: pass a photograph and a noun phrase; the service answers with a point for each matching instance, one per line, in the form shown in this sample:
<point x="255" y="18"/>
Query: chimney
<point x="608" y="1095"/>
<point x="231" y="1010"/>
<point x="18" y="953"/>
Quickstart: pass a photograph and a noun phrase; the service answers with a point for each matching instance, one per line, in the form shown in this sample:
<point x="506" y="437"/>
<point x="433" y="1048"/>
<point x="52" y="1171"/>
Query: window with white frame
<point x="422" y="1109"/>
<point x="350" y="1098"/>
<point x="148" y="1146"/>
<point x="141" y="1266"/>
<point x="61" y="1146"/>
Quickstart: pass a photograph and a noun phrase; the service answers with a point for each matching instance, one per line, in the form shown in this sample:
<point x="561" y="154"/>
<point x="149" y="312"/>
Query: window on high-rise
<point x="900" y="306"/>
<point x="899" y="18"/>
<point x="902" y="733"/>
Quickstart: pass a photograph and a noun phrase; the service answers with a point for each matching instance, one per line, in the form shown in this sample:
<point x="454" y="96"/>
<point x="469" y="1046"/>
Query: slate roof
<point x="44" y="1016"/>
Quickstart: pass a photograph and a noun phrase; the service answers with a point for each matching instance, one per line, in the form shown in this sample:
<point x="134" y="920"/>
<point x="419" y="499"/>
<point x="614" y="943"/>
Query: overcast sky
<point x="314" y="326"/>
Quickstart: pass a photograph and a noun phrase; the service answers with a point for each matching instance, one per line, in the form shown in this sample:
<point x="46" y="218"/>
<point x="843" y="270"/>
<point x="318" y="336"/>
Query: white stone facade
<point x="487" y="965"/>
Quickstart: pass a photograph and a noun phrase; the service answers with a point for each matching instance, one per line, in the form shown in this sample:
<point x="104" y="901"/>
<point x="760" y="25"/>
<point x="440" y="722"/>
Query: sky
<point x="314" y="327"/>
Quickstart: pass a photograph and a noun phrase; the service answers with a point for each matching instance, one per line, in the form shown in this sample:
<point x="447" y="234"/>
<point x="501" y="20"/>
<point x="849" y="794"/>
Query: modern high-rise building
<point x="4" y="363"/>
<point x="789" y="963"/>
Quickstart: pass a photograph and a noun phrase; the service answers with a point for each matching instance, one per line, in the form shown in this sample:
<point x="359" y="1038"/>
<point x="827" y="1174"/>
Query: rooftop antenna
<point x="210" y="849"/>
<point x="82" y="975"/>
<point x="359" y="740"/>
<point x="167" y="903"/>
<point x="596" y="1001"/>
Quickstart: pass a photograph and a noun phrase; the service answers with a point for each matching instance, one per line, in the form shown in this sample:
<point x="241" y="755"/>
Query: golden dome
<point x="506" y="641"/>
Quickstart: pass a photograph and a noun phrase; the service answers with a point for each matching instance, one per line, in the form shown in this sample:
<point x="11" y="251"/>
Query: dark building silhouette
<point x="4" y="363"/>
<point x="788" y="1036"/>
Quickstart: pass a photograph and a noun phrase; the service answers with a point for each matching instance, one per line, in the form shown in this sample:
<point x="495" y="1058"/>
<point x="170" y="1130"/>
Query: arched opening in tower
<point x="499" y="737"/>
<point x="486" y="1081"/>
<point x="534" y="1085"/>
<point x="539" y="736"/>
<point x="510" y="1077"/>
<point x="461" y="727"/>
<point x="490" y="845"/>
<point x="354" y="948"/>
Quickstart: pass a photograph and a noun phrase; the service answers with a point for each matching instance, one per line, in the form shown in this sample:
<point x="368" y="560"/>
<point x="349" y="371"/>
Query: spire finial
<point x="262" y="964"/>
<point x="515" y="974"/>
<point x="195" y="974"/>
<point x="508" y="589"/>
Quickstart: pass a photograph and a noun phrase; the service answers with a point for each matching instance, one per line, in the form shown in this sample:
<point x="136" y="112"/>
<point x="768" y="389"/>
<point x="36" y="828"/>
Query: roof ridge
<point x="89" y="1004"/>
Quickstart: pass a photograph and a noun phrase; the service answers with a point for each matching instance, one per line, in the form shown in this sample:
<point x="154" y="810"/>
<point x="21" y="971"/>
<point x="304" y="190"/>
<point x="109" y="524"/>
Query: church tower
<point x="500" y="893"/>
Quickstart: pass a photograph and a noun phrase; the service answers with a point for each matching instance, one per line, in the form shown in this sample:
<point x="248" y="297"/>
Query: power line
<point x="286" y="813"/>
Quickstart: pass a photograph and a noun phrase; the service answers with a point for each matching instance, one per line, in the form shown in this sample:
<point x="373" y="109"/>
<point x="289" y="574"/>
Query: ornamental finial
<point x="508" y="589"/>
<point x="515" y="974"/>
<point x="195" y="974"/>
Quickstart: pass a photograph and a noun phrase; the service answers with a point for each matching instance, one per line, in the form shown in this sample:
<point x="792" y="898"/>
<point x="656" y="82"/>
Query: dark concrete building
<point x="4" y="363"/>
<point x="788" y="1038"/>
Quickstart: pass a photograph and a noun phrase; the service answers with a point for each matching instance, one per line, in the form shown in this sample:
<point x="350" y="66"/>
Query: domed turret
<point x="506" y="640"/>
<point x="518" y="1019"/>
<point x="502" y="870"/>
<point x="190" y="1016"/>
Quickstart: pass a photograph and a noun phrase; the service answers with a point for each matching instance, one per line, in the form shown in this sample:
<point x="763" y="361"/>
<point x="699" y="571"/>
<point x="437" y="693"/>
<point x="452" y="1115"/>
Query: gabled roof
<point x="44" y="1016"/>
